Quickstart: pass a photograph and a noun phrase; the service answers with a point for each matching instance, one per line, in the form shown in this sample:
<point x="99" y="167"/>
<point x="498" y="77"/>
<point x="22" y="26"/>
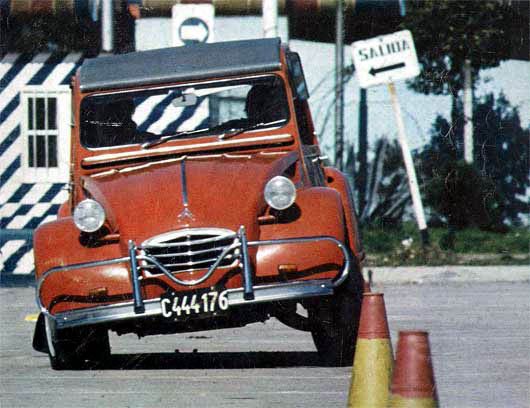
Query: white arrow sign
<point x="385" y="59"/>
<point x="193" y="30"/>
<point x="192" y="23"/>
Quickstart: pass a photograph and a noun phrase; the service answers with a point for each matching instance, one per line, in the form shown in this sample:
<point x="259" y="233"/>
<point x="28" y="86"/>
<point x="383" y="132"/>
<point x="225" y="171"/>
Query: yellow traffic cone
<point x="413" y="383"/>
<point x="372" y="367"/>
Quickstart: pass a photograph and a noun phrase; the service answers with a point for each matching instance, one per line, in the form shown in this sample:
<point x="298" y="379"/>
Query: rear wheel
<point x="335" y="321"/>
<point x="73" y="348"/>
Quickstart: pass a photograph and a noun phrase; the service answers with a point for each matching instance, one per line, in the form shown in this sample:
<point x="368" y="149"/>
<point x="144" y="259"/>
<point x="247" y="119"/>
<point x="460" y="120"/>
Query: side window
<point x="297" y="76"/>
<point x="299" y="87"/>
<point x="46" y="115"/>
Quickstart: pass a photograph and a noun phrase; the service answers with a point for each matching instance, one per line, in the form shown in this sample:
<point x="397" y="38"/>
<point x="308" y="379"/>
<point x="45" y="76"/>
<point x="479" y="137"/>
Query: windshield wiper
<point x="231" y="133"/>
<point x="167" y="138"/>
<point x="237" y="131"/>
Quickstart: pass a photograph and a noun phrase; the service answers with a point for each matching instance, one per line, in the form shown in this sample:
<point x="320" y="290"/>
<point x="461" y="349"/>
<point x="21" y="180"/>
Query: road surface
<point x="479" y="332"/>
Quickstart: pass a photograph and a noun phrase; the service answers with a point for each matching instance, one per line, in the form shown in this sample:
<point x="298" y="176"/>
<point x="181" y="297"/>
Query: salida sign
<point x="385" y="59"/>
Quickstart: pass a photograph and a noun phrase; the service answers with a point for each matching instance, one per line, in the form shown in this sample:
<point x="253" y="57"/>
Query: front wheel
<point x="335" y="321"/>
<point x="72" y="348"/>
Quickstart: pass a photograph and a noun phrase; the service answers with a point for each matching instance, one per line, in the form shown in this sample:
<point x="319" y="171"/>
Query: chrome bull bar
<point x="236" y="296"/>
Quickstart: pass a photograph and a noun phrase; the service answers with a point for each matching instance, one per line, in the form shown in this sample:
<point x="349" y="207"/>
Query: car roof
<point x="190" y="62"/>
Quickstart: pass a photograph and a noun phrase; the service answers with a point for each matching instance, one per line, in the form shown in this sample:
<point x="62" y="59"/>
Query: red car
<point x="199" y="200"/>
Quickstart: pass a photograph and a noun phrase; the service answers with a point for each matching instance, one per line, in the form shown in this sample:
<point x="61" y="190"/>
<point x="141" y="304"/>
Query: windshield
<point x="195" y="111"/>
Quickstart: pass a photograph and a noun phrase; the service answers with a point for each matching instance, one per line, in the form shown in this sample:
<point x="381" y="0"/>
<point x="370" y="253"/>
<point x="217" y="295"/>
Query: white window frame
<point x="63" y="96"/>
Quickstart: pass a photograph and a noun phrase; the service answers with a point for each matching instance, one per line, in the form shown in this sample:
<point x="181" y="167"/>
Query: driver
<point x="265" y="103"/>
<point x="119" y="127"/>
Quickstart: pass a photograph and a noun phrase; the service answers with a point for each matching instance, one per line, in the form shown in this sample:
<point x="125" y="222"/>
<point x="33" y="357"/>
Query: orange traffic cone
<point x="372" y="367"/>
<point x="413" y="381"/>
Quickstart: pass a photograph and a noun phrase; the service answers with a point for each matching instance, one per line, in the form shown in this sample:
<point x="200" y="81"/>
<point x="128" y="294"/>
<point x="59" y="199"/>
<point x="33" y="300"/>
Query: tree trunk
<point x="456" y="125"/>
<point x="468" y="113"/>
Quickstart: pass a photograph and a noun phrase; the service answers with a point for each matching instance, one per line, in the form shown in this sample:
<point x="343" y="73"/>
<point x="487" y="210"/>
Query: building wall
<point x="25" y="204"/>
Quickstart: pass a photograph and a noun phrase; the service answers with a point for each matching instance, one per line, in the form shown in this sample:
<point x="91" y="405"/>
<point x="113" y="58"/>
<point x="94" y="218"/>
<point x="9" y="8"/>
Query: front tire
<point x="335" y="321"/>
<point x="72" y="348"/>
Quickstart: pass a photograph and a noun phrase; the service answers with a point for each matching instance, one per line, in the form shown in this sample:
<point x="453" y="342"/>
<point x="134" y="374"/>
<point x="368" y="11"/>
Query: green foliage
<point x="502" y="153"/>
<point x="493" y="192"/>
<point x="468" y="241"/>
<point x="402" y="246"/>
<point x="464" y="197"/>
<point x="66" y="31"/>
<point x="34" y="33"/>
<point x="447" y="32"/>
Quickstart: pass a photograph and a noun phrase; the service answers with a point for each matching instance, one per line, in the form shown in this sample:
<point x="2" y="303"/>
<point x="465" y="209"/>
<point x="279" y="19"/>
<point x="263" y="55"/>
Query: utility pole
<point x="339" y="90"/>
<point x="107" y="26"/>
<point x="270" y="18"/>
<point x="362" y="174"/>
<point x="468" y="113"/>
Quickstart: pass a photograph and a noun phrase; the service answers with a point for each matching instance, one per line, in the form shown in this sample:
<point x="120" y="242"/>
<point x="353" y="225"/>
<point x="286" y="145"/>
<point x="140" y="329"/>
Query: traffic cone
<point x="413" y="381"/>
<point x="372" y="367"/>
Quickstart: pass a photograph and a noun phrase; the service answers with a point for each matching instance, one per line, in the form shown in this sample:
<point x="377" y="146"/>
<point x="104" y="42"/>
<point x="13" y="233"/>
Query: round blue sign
<point x="193" y="30"/>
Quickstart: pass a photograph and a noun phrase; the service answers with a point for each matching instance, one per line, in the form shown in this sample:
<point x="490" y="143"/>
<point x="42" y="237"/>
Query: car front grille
<point x="189" y="249"/>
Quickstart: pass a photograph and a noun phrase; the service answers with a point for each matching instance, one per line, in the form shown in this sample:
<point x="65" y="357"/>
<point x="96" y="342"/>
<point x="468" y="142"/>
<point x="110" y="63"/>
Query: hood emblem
<point x="185" y="213"/>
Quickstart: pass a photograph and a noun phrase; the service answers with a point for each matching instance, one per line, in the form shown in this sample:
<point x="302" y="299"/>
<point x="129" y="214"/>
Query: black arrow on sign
<point x="375" y="71"/>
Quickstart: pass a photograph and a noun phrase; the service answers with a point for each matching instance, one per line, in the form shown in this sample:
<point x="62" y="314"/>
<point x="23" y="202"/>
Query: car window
<point x="109" y="120"/>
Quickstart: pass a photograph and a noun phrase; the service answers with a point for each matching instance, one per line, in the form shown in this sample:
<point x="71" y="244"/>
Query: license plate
<point x="175" y="304"/>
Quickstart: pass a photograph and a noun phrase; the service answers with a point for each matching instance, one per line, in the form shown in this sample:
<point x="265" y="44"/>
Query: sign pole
<point x="409" y="166"/>
<point x="339" y="86"/>
<point x="384" y="60"/>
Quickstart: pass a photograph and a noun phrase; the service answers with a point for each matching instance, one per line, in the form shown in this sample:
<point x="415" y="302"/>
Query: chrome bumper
<point x="125" y="311"/>
<point x="249" y="294"/>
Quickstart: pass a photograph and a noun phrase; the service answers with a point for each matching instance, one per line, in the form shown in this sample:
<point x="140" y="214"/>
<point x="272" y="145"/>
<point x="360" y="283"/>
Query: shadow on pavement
<point x="191" y="361"/>
<point x="16" y="281"/>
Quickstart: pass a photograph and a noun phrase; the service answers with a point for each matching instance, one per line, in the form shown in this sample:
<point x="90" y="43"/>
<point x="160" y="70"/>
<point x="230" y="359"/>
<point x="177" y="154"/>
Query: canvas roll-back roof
<point x="191" y="62"/>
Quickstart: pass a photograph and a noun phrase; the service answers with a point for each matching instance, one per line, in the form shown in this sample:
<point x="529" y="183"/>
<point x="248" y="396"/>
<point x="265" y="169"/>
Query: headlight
<point x="89" y="215"/>
<point x="280" y="193"/>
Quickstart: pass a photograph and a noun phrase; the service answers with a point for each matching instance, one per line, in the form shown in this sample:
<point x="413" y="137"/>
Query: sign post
<point x="383" y="60"/>
<point x="192" y="23"/>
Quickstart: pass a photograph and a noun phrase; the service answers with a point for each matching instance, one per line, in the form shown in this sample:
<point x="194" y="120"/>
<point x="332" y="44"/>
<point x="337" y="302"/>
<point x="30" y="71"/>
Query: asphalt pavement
<point x="479" y="333"/>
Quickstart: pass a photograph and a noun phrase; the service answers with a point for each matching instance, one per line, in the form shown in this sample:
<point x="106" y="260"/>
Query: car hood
<point x="225" y="192"/>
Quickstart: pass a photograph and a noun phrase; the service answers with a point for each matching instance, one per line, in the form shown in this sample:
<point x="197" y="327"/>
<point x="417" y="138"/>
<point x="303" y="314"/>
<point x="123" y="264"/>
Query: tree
<point x="448" y="32"/>
<point x="455" y="39"/>
<point x="492" y="194"/>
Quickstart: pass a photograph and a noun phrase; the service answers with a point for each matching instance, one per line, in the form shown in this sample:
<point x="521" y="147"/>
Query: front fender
<point x="339" y="182"/>
<point x="59" y="243"/>
<point x="317" y="211"/>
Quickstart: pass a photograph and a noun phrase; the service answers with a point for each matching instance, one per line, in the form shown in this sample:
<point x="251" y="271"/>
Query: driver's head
<point x="265" y="103"/>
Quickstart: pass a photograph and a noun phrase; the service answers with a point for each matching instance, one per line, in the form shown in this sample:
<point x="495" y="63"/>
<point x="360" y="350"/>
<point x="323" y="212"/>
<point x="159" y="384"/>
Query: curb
<point x="448" y="273"/>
